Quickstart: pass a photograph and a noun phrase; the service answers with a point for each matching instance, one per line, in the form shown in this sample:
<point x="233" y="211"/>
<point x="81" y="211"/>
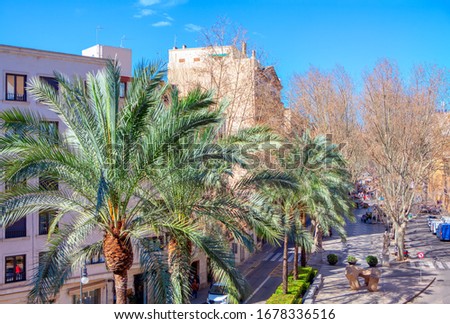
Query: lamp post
<point x="83" y="281"/>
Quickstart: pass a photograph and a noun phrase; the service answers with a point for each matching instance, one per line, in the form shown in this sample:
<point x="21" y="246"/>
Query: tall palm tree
<point x="321" y="186"/>
<point x="103" y="161"/>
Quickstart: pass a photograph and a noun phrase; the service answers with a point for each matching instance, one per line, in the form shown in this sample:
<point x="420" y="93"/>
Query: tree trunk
<point x="119" y="259"/>
<point x="295" y="272"/>
<point x="400" y="233"/>
<point x="179" y="257"/>
<point x="303" y="250"/>
<point x="120" y="281"/>
<point x="318" y="238"/>
<point x="285" y="264"/>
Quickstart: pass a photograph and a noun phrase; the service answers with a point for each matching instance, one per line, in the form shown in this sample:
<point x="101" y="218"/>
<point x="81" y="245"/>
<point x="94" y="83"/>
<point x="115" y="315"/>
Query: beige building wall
<point x="251" y="91"/>
<point x="30" y="63"/>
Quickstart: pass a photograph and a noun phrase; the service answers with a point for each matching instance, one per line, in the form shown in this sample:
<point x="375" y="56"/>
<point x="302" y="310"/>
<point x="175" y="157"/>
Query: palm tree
<point x="318" y="171"/>
<point x="104" y="162"/>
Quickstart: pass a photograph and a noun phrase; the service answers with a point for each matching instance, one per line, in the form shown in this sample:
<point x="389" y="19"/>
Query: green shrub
<point x="332" y="259"/>
<point x="351" y="259"/>
<point x="372" y="261"/>
<point x="296" y="288"/>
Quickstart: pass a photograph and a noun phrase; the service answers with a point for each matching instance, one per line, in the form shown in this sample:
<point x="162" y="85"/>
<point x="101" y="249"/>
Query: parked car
<point x="429" y="219"/>
<point x="434" y="225"/>
<point x="217" y="294"/>
<point x="443" y="232"/>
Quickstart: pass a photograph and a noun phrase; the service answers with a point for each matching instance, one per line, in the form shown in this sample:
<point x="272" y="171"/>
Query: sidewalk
<point x="398" y="284"/>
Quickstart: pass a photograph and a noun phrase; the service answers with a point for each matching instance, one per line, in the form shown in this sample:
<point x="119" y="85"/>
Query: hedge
<point x="296" y="288"/>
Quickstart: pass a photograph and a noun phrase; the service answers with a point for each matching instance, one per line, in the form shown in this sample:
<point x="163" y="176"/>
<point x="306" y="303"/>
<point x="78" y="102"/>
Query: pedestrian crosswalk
<point x="278" y="256"/>
<point x="437" y="265"/>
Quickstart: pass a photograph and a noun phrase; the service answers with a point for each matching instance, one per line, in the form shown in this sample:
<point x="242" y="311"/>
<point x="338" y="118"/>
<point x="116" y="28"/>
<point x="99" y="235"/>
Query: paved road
<point x="437" y="261"/>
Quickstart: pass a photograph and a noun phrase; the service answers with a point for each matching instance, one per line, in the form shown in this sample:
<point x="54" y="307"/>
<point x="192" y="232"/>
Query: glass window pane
<point x="123" y="89"/>
<point x="20" y="88"/>
<point x="9" y="87"/>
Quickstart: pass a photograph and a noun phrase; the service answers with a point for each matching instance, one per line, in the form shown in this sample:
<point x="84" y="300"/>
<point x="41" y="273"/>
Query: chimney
<point x="184" y="46"/>
<point x="253" y="54"/>
<point x="244" y="48"/>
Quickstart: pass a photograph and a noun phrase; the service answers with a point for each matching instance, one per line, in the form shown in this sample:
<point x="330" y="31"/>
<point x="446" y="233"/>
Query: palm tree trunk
<point x="120" y="281"/>
<point x="303" y="250"/>
<point x="295" y="273"/>
<point x="285" y="264"/>
<point x="179" y="256"/>
<point x="119" y="259"/>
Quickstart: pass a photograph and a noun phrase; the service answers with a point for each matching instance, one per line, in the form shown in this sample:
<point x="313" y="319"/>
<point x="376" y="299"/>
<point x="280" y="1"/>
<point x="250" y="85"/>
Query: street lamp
<point x="83" y="281"/>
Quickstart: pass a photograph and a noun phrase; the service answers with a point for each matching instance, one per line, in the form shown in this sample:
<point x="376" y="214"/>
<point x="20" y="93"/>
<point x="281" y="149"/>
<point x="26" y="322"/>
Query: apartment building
<point x="21" y="243"/>
<point x="252" y="91"/>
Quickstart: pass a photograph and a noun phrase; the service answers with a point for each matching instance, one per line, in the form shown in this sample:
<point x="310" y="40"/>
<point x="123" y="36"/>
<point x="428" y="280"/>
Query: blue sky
<point x="294" y="34"/>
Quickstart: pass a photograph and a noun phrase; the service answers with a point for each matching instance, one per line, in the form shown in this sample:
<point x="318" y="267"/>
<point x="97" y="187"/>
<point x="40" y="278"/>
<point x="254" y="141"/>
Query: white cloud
<point x="147" y="3"/>
<point x="168" y="17"/>
<point x="165" y="3"/>
<point x="192" y="28"/>
<point x="144" y="13"/>
<point x="162" y="24"/>
<point x="173" y="3"/>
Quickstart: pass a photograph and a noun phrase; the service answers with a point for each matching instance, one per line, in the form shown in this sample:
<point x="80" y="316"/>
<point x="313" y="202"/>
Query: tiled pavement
<point x="398" y="284"/>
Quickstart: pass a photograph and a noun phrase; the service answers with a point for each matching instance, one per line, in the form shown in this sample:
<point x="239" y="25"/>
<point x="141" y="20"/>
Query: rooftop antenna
<point x="123" y="38"/>
<point x="175" y="41"/>
<point x="96" y="33"/>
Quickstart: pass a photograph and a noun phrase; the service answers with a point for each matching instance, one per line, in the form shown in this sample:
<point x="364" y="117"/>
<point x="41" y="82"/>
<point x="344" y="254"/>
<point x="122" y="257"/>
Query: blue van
<point x="443" y="232"/>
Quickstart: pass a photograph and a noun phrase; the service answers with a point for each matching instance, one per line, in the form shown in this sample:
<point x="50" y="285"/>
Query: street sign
<point x="420" y="255"/>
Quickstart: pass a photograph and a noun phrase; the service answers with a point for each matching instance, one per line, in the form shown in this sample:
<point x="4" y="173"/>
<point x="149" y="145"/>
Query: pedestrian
<point x="194" y="287"/>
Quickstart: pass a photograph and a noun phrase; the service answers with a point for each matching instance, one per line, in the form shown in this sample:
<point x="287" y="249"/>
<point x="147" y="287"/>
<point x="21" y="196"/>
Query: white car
<point x="217" y="294"/>
<point x="435" y="224"/>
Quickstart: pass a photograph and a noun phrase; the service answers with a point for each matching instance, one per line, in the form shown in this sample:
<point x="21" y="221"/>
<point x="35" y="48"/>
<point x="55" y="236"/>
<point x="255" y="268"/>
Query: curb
<point x="313" y="289"/>
<point x="420" y="292"/>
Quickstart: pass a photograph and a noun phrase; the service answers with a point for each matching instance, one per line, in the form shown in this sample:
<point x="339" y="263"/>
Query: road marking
<point x="439" y="265"/>
<point x="267" y="257"/>
<point x="429" y="264"/>
<point x="276" y="257"/>
<point x="256" y="290"/>
<point x="448" y="264"/>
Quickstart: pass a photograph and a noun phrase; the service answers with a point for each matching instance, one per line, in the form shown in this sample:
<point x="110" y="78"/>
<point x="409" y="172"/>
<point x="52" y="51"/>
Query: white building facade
<point x="21" y="243"/>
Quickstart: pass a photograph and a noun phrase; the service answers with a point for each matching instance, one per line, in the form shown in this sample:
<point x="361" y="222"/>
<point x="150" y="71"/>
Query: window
<point x="15" y="87"/>
<point x="196" y="59"/>
<point x="48" y="184"/>
<point x="45" y="221"/>
<point x="89" y="297"/>
<point x="123" y="89"/>
<point x="182" y="60"/>
<point x="234" y="248"/>
<point x="15" y="268"/>
<point x="18" y="229"/>
<point x="96" y="259"/>
<point x="50" y="81"/>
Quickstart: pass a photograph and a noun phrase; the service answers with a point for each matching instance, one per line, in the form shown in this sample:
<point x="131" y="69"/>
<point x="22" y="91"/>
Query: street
<point x="264" y="271"/>
<point x="436" y="261"/>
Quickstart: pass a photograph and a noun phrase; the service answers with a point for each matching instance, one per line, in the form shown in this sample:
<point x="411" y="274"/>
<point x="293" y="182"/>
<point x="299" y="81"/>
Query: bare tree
<point x="325" y="100"/>
<point x="403" y="135"/>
